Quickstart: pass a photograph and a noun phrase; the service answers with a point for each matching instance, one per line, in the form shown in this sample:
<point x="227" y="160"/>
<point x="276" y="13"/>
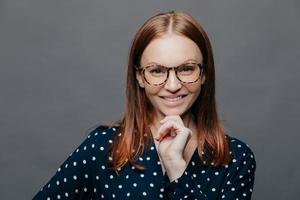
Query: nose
<point x="173" y="84"/>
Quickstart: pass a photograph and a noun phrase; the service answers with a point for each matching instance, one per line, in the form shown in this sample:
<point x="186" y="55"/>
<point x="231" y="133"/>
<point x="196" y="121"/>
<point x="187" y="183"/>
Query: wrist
<point x="175" y="168"/>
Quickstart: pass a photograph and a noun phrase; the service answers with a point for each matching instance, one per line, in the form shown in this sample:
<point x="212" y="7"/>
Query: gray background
<point x="62" y="70"/>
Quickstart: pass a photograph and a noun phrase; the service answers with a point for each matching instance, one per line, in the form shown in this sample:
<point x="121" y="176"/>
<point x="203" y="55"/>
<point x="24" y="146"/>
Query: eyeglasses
<point x="157" y="75"/>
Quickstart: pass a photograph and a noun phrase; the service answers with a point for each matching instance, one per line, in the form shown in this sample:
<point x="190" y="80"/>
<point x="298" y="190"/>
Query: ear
<point x="202" y="79"/>
<point x="140" y="80"/>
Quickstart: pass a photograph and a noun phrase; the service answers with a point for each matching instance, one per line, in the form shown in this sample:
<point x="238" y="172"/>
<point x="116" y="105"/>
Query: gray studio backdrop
<point x="62" y="70"/>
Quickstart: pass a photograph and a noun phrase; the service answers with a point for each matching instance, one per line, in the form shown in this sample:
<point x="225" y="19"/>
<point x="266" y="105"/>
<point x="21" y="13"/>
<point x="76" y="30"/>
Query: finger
<point x="173" y="129"/>
<point x="183" y="138"/>
<point x="163" y="130"/>
<point x="175" y="118"/>
<point x="167" y="128"/>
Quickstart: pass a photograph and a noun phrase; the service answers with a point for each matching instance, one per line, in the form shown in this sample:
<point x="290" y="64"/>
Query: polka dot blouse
<point x="85" y="175"/>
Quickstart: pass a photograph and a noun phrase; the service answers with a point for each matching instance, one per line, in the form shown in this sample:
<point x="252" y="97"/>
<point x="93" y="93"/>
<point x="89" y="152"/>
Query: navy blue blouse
<point x="85" y="175"/>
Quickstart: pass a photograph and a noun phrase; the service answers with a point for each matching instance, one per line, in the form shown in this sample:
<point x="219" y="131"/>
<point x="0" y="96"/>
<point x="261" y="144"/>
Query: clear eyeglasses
<point x="157" y="75"/>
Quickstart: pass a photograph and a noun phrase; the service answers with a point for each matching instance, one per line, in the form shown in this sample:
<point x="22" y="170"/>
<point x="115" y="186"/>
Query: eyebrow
<point x="186" y="61"/>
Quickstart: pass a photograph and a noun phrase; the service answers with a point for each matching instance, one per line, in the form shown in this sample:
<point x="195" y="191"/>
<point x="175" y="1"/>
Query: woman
<point x="170" y="143"/>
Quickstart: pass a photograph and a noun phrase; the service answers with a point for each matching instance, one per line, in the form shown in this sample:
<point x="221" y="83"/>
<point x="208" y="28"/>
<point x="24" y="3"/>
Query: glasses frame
<point x="142" y="70"/>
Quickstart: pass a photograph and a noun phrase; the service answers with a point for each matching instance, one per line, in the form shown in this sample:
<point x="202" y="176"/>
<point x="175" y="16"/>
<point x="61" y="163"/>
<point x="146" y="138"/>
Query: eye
<point x="156" y="70"/>
<point x="187" y="68"/>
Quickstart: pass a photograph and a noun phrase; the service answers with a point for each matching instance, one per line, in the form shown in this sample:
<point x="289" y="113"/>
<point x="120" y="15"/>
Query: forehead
<point x="170" y="50"/>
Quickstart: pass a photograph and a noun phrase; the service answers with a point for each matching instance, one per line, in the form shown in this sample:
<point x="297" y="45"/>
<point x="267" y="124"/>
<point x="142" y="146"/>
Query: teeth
<point x="173" y="99"/>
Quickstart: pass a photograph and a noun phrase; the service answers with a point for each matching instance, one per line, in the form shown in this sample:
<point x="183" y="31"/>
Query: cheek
<point x="194" y="88"/>
<point x="150" y="91"/>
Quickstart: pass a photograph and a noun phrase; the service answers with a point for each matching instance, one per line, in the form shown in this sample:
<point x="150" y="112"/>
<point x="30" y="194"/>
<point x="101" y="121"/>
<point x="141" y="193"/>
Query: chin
<point x="168" y="112"/>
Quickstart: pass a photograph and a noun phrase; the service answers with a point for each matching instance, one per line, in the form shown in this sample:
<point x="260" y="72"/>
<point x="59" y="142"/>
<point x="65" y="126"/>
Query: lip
<point x="171" y="101"/>
<point x="173" y="96"/>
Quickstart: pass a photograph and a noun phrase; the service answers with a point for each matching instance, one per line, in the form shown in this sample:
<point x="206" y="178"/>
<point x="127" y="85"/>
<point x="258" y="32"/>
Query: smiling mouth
<point x="173" y="99"/>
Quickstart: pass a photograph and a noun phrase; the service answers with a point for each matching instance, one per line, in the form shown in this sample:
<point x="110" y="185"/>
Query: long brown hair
<point x="134" y="134"/>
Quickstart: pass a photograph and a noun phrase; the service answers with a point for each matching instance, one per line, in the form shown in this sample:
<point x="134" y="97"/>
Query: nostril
<point x="173" y="86"/>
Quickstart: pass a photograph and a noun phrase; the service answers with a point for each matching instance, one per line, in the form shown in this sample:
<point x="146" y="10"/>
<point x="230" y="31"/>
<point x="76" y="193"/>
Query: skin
<point x="173" y="130"/>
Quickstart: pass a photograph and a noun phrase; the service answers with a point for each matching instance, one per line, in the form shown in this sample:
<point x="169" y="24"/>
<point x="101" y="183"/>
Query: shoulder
<point x="96" y="142"/>
<point x="76" y="171"/>
<point x="241" y="169"/>
<point x="101" y="135"/>
<point x="240" y="151"/>
<point x="238" y="146"/>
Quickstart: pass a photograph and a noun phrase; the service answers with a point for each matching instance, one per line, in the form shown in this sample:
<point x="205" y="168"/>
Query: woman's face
<point x="173" y="97"/>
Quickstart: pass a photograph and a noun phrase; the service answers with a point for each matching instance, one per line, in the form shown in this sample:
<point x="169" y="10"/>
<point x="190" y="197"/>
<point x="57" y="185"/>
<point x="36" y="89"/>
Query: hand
<point x="173" y="137"/>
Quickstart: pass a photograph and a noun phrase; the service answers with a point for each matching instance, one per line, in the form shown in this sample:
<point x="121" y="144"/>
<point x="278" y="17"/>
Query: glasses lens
<point x="188" y="73"/>
<point x="155" y="74"/>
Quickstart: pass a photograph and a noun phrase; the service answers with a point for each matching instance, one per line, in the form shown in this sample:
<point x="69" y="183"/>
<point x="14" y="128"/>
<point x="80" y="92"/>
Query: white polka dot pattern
<point x="86" y="175"/>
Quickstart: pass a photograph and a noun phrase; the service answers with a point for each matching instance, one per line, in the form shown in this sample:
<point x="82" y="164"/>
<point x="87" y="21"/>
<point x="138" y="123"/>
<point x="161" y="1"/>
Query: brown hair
<point x="134" y="134"/>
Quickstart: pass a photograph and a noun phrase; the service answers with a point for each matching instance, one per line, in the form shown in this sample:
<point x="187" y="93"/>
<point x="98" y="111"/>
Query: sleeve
<point x="184" y="187"/>
<point x="240" y="180"/>
<point x="72" y="180"/>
